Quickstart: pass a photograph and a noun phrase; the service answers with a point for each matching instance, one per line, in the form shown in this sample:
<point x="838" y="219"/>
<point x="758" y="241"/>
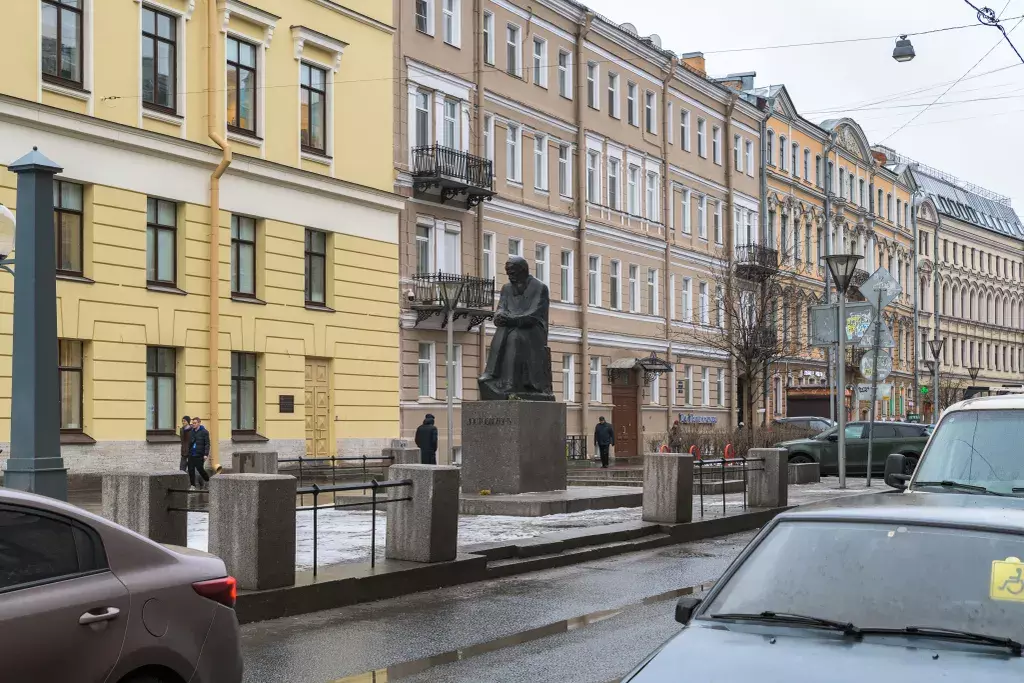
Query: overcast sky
<point x="980" y="142"/>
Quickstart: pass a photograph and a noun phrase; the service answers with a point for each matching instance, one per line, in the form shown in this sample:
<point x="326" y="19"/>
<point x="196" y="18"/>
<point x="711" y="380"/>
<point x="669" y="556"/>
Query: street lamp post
<point x="842" y="267"/>
<point x="451" y="291"/>
<point x="936" y="348"/>
<point x="35" y="464"/>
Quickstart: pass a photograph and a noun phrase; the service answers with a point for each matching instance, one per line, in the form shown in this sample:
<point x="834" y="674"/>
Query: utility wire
<point x="987" y="17"/>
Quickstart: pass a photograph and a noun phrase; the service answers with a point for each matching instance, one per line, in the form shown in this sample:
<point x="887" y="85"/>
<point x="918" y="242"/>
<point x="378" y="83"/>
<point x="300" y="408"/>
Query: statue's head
<point x="517" y="269"/>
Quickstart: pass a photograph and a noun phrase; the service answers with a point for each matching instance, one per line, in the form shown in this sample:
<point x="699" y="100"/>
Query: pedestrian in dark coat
<point x="426" y="439"/>
<point x="186" y="442"/>
<point x="604" y="436"/>
<point x="198" y="453"/>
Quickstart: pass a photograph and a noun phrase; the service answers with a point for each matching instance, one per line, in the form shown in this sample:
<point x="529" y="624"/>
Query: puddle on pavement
<point x="406" y="669"/>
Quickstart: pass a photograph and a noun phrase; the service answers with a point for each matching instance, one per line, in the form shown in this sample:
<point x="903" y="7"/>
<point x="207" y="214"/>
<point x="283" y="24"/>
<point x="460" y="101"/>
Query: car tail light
<point x="223" y="590"/>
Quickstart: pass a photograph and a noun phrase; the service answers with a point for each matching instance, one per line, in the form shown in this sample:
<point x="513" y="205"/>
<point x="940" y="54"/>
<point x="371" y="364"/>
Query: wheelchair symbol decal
<point x="1007" y="580"/>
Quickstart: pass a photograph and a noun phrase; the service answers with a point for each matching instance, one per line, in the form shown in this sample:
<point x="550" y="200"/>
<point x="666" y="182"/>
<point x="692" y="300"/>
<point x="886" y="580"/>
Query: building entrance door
<point x="624" y="419"/>
<point x="318" y="408"/>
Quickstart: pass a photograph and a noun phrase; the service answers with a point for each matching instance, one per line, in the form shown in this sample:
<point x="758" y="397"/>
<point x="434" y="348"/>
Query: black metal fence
<point x="576" y="447"/>
<point x="727" y="467"/>
<point x="477" y="292"/>
<point x="436" y="161"/>
<point x="314" y="468"/>
<point x="189" y="508"/>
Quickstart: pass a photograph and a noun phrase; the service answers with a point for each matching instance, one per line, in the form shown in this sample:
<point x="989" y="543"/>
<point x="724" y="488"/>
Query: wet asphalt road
<point x="346" y="642"/>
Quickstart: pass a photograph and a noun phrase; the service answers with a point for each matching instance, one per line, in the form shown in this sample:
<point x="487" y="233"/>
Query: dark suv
<point x="889" y="437"/>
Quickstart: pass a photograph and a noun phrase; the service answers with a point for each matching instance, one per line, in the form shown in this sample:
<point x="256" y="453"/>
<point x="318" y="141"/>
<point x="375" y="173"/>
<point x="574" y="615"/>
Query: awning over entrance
<point x="649" y="365"/>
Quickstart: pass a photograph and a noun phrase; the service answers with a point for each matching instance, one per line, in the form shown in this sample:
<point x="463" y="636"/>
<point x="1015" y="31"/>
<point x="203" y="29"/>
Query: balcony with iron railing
<point x="442" y="173"/>
<point x="475" y="303"/>
<point x="756" y="262"/>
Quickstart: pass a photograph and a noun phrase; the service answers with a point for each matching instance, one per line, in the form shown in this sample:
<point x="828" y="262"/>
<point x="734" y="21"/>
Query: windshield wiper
<point x="959" y="486"/>
<point x="951" y="634"/>
<point x="788" y="618"/>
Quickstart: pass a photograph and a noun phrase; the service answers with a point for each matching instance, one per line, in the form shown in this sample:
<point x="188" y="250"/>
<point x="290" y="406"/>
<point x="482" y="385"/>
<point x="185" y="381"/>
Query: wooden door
<point x="624" y="411"/>
<point x="318" y="409"/>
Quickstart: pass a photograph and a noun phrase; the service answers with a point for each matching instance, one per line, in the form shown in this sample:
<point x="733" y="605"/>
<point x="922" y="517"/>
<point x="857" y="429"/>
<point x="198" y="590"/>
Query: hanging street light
<point x="904" y="50"/>
<point x="842" y="267"/>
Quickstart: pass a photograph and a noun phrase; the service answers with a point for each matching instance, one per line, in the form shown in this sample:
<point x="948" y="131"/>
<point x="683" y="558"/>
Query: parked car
<point x="906" y="438"/>
<point x="83" y="599"/>
<point x="869" y="588"/>
<point x="813" y="423"/>
<point x="976" y="448"/>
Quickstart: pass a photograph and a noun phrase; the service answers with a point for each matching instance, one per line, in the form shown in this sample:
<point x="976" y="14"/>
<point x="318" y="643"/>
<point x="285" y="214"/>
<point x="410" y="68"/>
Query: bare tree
<point x="951" y="390"/>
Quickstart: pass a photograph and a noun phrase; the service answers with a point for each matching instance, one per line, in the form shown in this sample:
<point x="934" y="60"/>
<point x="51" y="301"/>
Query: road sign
<point x="823" y="323"/>
<point x="884" y="362"/>
<point x="864" y="392"/>
<point x="885" y="338"/>
<point x="881" y="282"/>
<point x="914" y="417"/>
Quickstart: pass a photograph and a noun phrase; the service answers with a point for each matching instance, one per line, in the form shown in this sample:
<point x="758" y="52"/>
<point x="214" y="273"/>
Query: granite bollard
<point x="252" y="528"/>
<point x="668" y="488"/>
<point x="804" y="473"/>
<point x="140" y="502"/>
<point x="426" y="528"/>
<point x="768" y="487"/>
<point x="253" y="462"/>
<point x="401" y="455"/>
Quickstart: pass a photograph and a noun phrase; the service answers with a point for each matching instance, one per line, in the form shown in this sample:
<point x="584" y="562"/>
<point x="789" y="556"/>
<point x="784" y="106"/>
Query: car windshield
<point x="883" y="576"/>
<point x="977" y="447"/>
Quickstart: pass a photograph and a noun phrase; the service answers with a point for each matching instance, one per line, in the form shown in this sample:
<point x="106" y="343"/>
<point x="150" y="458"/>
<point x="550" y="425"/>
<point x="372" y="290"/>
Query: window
<point x="899" y="211"/>
<point x="613" y="95"/>
<point x="652" y="291"/>
<point x="796" y="160"/>
<point x="515" y="246"/>
<point x="489" y="263"/>
<point x="540" y="62"/>
<point x="686" y="211"/>
<point x="67" y="222"/>
<point x="878" y="207"/>
<point x="782" y="152"/>
<point x="457" y="353"/>
<point x="634" y="288"/>
<point x="243" y="256"/>
<point x="737" y="153"/>
<point x="720" y="306"/>
<point x="593" y="168"/>
<point x="671" y="292"/>
<point x="161" y="239"/>
<point x="718" y="222"/>
<point x="613" y="183"/>
<point x="830" y="178"/>
<point x="702" y="217"/>
<point x="565" y="74"/>
<point x="567" y="276"/>
<point x="689" y="385"/>
<point x="592" y="85"/>
<point x="842" y="182"/>
<point x="513" y="162"/>
<point x="489" y="137"/>
<point x="242" y="82"/>
<point x="595" y="280"/>
<point x="705" y="387"/>
<point x="595" y="380"/>
<point x="243" y="392"/>
<point x="721" y="387"/>
<point x="160" y="382"/>
<point x="425" y="16"/>
<point x="540" y="161"/>
<point x="450" y="19"/>
<point x="564" y="170"/>
<point x="489" y="38"/>
<point x="514" y="64"/>
<point x="861" y="199"/>
<point x="750" y="157"/>
<point x="768" y="146"/>
<point x="687" y="300"/>
<point x="716" y="144"/>
<point x="424" y="250"/>
<point x="888" y="207"/>
<point x="450" y="126"/>
<point x="62" y="51"/>
<point x="425" y="368"/>
<point x="316" y="267"/>
<point x="650" y="119"/>
<point x="633" y="191"/>
<point x="541" y="263"/>
<point x="817" y="171"/>
<point x="568" y="378"/>
<point x="702" y="143"/>
<point x="652" y="196"/>
<point x="704" y="310"/>
<point x="314" y="110"/>
<point x="422" y="126"/>
<point x="656" y="390"/>
<point x="615" y="286"/>
<point x="684" y="129"/>
<point x="69" y="367"/>
<point x="632" y="117"/>
<point x="807" y="164"/>
<point x="159" y="59"/>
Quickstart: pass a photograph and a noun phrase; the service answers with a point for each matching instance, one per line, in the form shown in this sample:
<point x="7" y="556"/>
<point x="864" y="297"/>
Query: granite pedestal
<point x="668" y="488"/>
<point x="401" y="455"/>
<point x="253" y="462"/>
<point x="140" y="502"/>
<point x="769" y="487"/>
<point x="426" y="528"/>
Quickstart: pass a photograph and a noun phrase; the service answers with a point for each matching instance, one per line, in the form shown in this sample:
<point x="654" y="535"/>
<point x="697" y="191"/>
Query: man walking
<point x="604" y="436"/>
<point x="426" y="439"/>
<point x="186" y="442"/>
<point x="198" y="452"/>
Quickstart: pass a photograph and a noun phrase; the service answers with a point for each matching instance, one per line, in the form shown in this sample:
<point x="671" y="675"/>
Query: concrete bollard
<point x="426" y="528"/>
<point x="768" y="488"/>
<point x="668" y="488"/>
<point x="402" y="455"/>
<point x="252" y="528"/>
<point x="140" y="501"/>
<point x="253" y="462"/>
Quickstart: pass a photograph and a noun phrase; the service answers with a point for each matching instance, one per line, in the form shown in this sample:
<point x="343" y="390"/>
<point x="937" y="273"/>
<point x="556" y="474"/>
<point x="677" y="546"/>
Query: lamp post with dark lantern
<point x="842" y="267"/>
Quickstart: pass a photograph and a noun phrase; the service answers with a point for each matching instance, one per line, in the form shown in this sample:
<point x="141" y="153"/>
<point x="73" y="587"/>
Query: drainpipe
<point x="582" y="30"/>
<point x="666" y="198"/>
<point x="730" y="246"/>
<point x="213" y="65"/>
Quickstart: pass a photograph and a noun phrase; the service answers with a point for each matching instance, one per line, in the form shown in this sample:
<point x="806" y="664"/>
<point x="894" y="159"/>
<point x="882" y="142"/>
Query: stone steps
<point x="509" y="567"/>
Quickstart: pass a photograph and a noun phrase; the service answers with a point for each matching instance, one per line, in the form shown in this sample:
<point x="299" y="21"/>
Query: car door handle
<point x="90" y="617"/>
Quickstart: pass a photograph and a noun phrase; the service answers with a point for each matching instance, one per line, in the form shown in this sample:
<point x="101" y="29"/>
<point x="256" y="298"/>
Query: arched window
<point x="782" y="152"/>
<point x="945" y="299"/>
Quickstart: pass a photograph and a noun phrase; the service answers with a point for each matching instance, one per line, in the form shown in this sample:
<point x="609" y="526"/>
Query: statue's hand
<point x="500" y="320"/>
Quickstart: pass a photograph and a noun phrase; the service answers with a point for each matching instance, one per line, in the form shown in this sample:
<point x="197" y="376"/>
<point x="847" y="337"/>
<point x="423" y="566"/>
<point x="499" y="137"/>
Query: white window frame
<point x="807" y="164"/>
<point x="565" y="74"/>
<point x="596" y="393"/>
<point x="613" y="92"/>
<point x="567" y="275"/>
<point x="672" y="300"/>
<point x="565" y="169"/>
<point x="451" y="123"/>
<point x="651" y="112"/>
<point x="634" y="288"/>
<point x="513" y="152"/>
<point x="632" y="106"/>
<point x="737" y="152"/>
<point x="489" y="256"/>
<point x="568" y="378"/>
<point x="684" y="128"/>
<point x="431" y="363"/>
<point x="720" y="304"/>
<point x="721" y="386"/>
<point x="489" y="38"/>
<point x="689" y="385"/>
<point x="593" y="176"/>
<point x="518" y="251"/>
<point x="594" y="86"/>
<point x="542" y="263"/>
<point x="653" y="185"/>
<point x="489" y="137"/>
<point x="716" y="145"/>
<point x="430" y="16"/>
<point x="670" y="116"/>
<point x="655" y="390"/>
<point x="515" y="43"/>
<point x="653" y="299"/>
<point x="428" y="239"/>
<point x="418" y="95"/>
<point x="457" y="352"/>
<point x="614" y="195"/>
<point x="615" y="293"/>
<point x="687" y="226"/>
<point x="452" y="18"/>
<point x="633" y="190"/>
<point x="705" y="386"/>
<point x="540" y="62"/>
<point x="719" y="227"/>
<point x="702" y="138"/>
<point x="703" y="301"/>
<point x="540" y="162"/>
<point x="594" y="280"/>
<point x="687" y="299"/>
<point x="750" y="157"/>
<point x="702" y="217"/>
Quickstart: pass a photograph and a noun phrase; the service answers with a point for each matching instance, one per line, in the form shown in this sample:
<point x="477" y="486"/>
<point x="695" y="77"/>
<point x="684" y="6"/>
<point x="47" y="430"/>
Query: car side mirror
<point x="685" y="609"/>
<point x="895" y="465"/>
<point x="833" y="437"/>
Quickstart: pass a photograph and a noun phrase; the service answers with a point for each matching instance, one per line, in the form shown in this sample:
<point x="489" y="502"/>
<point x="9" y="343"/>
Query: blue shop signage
<point x="697" y="419"/>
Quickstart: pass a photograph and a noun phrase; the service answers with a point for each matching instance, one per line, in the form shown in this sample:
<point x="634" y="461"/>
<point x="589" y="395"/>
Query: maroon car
<point x="83" y="599"/>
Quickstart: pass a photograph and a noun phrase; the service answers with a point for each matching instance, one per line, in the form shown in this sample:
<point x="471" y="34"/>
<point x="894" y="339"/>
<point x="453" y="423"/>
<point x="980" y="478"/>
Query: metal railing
<point x="436" y="161"/>
<point x="477" y="292"/>
<point x="757" y="255"/>
<point x="733" y="466"/>
<point x="576" y="447"/>
<point x="301" y="466"/>
<point x="374" y="486"/>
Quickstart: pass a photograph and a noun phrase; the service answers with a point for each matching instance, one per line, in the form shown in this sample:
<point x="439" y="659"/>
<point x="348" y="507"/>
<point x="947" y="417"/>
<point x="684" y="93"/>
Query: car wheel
<point x="909" y="465"/>
<point x="800" y="459"/>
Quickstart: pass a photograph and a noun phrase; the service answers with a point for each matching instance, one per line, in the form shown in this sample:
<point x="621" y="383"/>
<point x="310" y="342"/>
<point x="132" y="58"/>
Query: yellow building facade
<point x="280" y="114"/>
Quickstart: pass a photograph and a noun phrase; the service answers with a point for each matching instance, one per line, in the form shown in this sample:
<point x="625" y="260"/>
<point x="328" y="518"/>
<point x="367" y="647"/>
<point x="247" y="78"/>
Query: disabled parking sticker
<point x="1007" y="580"/>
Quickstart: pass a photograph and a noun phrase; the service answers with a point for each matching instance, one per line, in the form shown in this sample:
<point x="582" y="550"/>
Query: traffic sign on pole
<point x="883" y="364"/>
<point x="881" y="282"/>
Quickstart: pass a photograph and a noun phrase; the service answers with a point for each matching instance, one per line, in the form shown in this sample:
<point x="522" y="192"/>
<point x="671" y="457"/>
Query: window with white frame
<point x="650" y="112"/>
<point x="686" y="211"/>
<point x="783" y="153"/>
<point x="702" y="143"/>
<point x="568" y="378"/>
<point x="632" y="115"/>
<point x="670" y="116"/>
<point x="593" y="183"/>
<point x="425" y="16"/>
<point x="652" y="196"/>
<point x="737" y="153"/>
<point x="634" y="288"/>
<point x="541" y="263"/>
<point x="684" y="129"/>
<point x="633" y="191"/>
<point x="489" y="38"/>
<point x="721" y="387"/>
<point x="595" y="380"/>
<point x="704" y="310"/>
<point x="716" y="144"/>
<point x="702" y="217"/>
<point x="705" y="386"/>
<point x="689" y="385"/>
<point x="593" y="101"/>
<point x="489" y="260"/>
<point x="671" y="296"/>
<point x="513" y="159"/>
<point x="615" y="286"/>
<point x="796" y="160"/>
<point x="425" y="367"/>
<point x="567" y="276"/>
<point x="652" y="291"/>
<point x="514" y="58"/>
<point x="450" y="137"/>
<point x="750" y="157"/>
<point x="540" y="62"/>
<point x="718" y="222"/>
<point x="613" y="94"/>
<point x="565" y="74"/>
<point x="565" y="170"/>
<point x="807" y="164"/>
<point x="687" y="300"/>
<point x="457" y="349"/>
<point x="720" y="306"/>
<point x="421" y="128"/>
<point x="489" y="137"/>
<point x="655" y="388"/>
<point x="515" y="246"/>
<point x="613" y="182"/>
<point x="451" y="20"/>
<point x="424" y="249"/>
<point x="594" y="275"/>
<point x="540" y="161"/>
